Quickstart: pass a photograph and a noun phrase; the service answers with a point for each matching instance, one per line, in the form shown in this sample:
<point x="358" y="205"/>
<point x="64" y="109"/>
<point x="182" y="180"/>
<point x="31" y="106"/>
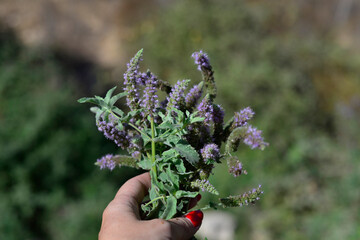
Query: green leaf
<point x="145" y="163"/>
<point x="196" y="119"/>
<point x="172" y="140"/>
<point x="173" y="178"/>
<point x="145" y="138"/>
<point x="188" y="152"/>
<point x="109" y="94"/>
<point x="180" y="167"/>
<point x="124" y="160"/>
<point x="170" y="153"/>
<point x="170" y="209"/>
<point x="89" y="100"/>
<point x="165" y="125"/>
<point x="114" y="99"/>
<point x="94" y="109"/>
<point x="117" y="111"/>
<point x="182" y="193"/>
<point x="180" y="114"/>
<point x="163" y="177"/>
<point x="98" y="114"/>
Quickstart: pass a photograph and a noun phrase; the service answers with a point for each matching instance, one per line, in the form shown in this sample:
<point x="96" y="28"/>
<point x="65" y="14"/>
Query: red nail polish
<point x="195" y="217"/>
<point x="198" y="197"/>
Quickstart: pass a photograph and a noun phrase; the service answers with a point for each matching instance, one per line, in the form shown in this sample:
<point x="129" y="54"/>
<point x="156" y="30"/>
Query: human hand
<point x="121" y="218"/>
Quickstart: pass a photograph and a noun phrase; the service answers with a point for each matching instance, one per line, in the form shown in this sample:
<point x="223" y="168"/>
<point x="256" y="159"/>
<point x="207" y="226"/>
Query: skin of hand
<point x="121" y="218"/>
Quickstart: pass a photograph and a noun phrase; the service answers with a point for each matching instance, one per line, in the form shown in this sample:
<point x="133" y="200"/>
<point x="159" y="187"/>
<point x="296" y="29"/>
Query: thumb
<point x="184" y="228"/>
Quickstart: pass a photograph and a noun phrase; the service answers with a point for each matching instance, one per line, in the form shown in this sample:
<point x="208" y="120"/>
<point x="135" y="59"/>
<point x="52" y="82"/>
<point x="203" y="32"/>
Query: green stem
<point x="164" y="133"/>
<point x="115" y="115"/>
<point x="132" y="125"/>
<point x="183" y="127"/>
<point x="137" y="129"/>
<point x="153" y="153"/>
<point x="155" y="199"/>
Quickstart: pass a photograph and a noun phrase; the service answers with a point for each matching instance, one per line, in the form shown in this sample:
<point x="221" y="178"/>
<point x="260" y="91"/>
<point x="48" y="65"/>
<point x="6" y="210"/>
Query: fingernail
<point x="198" y="197"/>
<point x="195" y="217"/>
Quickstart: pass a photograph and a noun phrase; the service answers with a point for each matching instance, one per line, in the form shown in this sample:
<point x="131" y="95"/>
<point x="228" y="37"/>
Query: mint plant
<point x="178" y="139"/>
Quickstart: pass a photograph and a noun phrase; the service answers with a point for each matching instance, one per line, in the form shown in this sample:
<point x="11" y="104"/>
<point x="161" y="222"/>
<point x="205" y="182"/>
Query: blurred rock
<point x="218" y="225"/>
<point x="87" y="29"/>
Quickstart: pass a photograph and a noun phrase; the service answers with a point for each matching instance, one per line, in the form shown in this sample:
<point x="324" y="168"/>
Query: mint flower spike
<point x="254" y="139"/>
<point x="203" y="63"/>
<point x="205" y="110"/>
<point x="241" y="118"/>
<point x="176" y="97"/>
<point x="110" y="131"/>
<point x="150" y="100"/>
<point x="218" y="117"/>
<point x="202" y="60"/>
<point x="131" y="77"/>
<point x="235" y="166"/>
<point x="193" y="96"/>
<point x="245" y="199"/>
<point x="210" y="153"/>
<point x="106" y="162"/>
<point x="110" y="161"/>
<point x="205" y="186"/>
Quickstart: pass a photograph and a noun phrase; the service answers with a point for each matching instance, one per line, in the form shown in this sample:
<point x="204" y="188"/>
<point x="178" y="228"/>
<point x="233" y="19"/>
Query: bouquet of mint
<point x="177" y="139"/>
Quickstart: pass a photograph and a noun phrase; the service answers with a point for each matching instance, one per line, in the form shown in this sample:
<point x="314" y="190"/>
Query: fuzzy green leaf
<point x="109" y="94"/>
<point x="170" y="209"/>
<point x="145" y="164"/>
<point x="124" y="160"/>
<point x="172" y="140"/>
<point x="166" y="125"/>
<point x="89" y="100"/>
<point x="118" y="111"/>
<point x="196" y="119"/>
<point x="188" y="152"/>
<point x="182" y="193"/>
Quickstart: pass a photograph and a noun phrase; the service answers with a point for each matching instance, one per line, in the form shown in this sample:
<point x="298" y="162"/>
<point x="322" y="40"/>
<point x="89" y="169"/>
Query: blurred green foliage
<point x="303" y="88"/>
<point x="49" y="187"/>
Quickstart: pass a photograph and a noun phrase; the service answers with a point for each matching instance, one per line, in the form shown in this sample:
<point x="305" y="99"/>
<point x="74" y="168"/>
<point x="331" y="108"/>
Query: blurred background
<point x="295" y="62"/>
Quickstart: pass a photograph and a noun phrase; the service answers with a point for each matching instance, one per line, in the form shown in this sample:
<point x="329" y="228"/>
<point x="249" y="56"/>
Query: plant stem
<point x="153" y="153"/>
<point x="155" y="199"/>
<point x="137" y="129"/>
<point x="164" y="133"/>
<point x="114" y="114"/>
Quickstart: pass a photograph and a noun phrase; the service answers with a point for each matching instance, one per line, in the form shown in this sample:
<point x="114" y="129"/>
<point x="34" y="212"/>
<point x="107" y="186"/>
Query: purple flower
<point x="198" y="135"/>
<point x="111" y="132"/>
<point x="150" y="100"/>
<point x="235" y="166"/>
<point x="202" y="60"/>
<point x="205" y="110"/>
<point x="176" y="96"/>
<point x="193" y="96"/>
<point x="130" y="80"/>
<point x="141" y="79"/>
<point x="241" y="118"/>
<point x="136" y="154"/>
<point x="218" y="115"/>
<point x="205" y="186"/>
<point x="210" y="153"/>
<point x="246" y="198"/>
<point x="254" y="139"/>
<point x="106" y="162"/>
<point x="237" y="169"/>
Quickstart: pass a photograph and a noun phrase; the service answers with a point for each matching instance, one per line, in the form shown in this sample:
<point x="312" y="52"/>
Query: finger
<point x="130" y="195"/>
<point x="136" y="188"/>
<point x="194" y="201"/>
<point x="186" y="227"/>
